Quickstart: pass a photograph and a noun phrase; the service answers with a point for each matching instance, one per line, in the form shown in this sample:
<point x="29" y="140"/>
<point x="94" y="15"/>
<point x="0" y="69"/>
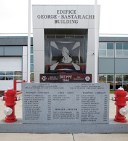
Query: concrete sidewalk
<point x="62" y="137"/>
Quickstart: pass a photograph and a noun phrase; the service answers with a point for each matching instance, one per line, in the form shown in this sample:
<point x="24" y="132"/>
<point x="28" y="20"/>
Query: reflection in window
<point x="122" y="50"/>
<point x="102" y="78"/>
<point x="125" y="46"/>
<point x="103" y="45"/>
<point x="106" y="49"/>
<point x="119" y="46"/>
<point x="109" y="45"/>
<point x="2" y="77"/>
<point x="17" y="77"/>
<point x="109" y="77"/>
<point x="118" y="81"/>
<point x="2" y="73"/>
<point x="11" y="75"/>
<point x="65" y="53"/>
<point x="125" y="77"/>
<point x="110" y="80"/>
<point x="9" y="72"/>
<point x="17" y="73"/>
<point x="32" y="67"/>
<point x="118" y="77"/>
<point x="31" y="64"/>
<point x="31" y="50"/>
<point x="32" y="77"/>
<point x="31" y="59"/>
<point x="102" y="53"/>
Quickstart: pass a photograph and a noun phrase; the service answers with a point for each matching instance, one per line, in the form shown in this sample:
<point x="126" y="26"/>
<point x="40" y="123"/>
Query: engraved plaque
<point x="65" y="103"/>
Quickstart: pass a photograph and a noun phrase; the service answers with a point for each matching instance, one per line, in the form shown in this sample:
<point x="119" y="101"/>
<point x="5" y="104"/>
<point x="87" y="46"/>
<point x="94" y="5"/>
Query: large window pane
<point x="32" y="67"/>
<point x="102" y="53"/>
<point x="125" y="53"/>
<point x="125" y="77"/>
<point x="102" y="78"/>
<point x="118" y="77"/>
<point x="118" y="45"/>
<point x="31" y="59"/>
<point x="109" y="45"/>
<point x="119" y="53"/>
<point x="2" y="73"/>
<point x="32" y="76"/>
<point x="118" y="81"/>
<point x="9" y="72"/>
<point x="17" y="73"/>
<point x="110" y="53"/>
<point x="125" y="46"/>
<point x="65" y="50"/>
<point x="103" y="45"/>
<point x="18" y="77"/>
<point x="2" y="77"/>
<point x="9" y="77"/>
<point x="110" y="80"/>
<point x="31" y="49"/>
<point x="109" y="77"/>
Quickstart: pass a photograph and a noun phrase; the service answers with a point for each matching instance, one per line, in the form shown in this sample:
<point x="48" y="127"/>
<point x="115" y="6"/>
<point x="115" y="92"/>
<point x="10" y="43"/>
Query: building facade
<point x="113" y="58"/>
<point x="112" y="61"/>
<point x="65" y="39"/>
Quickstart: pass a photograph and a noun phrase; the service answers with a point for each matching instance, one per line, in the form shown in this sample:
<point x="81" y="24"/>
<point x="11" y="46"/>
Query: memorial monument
<point x="64" y="97"/>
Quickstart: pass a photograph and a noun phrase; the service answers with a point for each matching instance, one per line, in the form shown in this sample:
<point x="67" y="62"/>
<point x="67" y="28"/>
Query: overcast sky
<point x="113" y="14"/>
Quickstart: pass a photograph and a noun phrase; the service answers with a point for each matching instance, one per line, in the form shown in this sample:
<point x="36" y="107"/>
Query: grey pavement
<point x="62" y="137"/>
<point x="59" y="137"/>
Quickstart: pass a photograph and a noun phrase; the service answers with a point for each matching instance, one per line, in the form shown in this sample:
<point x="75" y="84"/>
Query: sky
<point x="113" y="14"/>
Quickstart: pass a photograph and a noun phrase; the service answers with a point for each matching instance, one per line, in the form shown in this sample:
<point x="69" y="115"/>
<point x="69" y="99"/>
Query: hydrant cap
<point x="120" y="88"/>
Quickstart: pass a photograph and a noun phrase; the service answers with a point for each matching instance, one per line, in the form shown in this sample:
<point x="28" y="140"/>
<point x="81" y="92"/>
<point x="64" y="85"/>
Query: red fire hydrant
<point x="120" y="102"/>
<point x="10" y="102"/>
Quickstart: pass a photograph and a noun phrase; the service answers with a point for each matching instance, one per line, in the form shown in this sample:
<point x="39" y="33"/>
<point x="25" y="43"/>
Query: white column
<point x="96" y="42"/>
<point x="29" y="40"/>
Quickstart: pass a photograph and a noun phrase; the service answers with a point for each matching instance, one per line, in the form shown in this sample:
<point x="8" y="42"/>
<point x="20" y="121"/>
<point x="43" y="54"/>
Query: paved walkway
<point x="59" y="137"/>
<point x="63" y="137"/>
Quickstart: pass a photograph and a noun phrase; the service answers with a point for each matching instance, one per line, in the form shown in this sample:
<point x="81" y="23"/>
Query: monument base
<point x="19" y="127"/>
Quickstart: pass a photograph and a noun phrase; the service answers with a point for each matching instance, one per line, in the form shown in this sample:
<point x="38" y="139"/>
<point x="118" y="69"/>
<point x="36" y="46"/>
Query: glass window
<point x="118" y="77"/>
<point x="109" y="45"/>
<point x="32" y="76"/>
<point x="118" y="81"/>
<point x="31" y="59"/>
<point x="118" y="45"/>
<point x="32" y="67"/>
<point x="125" y="46"/>
<point x="110" y="80"/>
<point x="65" y="53"/>
<point x="109" y="77"/>
<point x="31" y="49"/>
<point x="125" y="77"/>
<point x="17" y="77"/>
<point x="2" y="73"/>
<point x="110" y="53"/>
<point x="102" y="53"/>
<point x="102" y="45"/>
<point x="119" y="53"/>
<point x="17" y="73"/>
<point x="102" y="78"/>
<point x="9" y="77"/>
<point x="9" y="72"/>
<point x="2" y="77"/>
